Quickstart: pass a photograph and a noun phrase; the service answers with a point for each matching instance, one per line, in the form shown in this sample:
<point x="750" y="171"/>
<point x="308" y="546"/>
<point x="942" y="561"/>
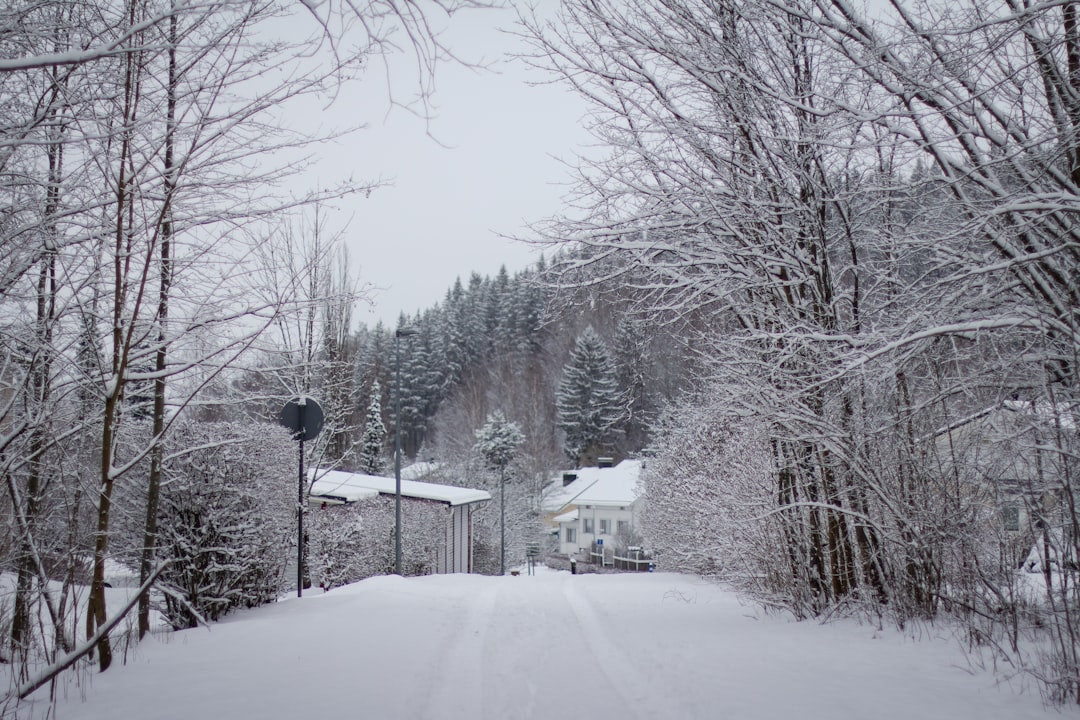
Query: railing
<point x="606" y="557"/>
<point x="636" y="564"/>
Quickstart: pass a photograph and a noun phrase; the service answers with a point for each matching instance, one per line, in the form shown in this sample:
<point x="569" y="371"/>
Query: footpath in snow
<point x="553" y="645"/>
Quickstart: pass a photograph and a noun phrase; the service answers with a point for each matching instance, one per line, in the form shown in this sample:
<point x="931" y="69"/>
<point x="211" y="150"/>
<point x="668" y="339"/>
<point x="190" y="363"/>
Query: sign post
<point x="304" y="416"/>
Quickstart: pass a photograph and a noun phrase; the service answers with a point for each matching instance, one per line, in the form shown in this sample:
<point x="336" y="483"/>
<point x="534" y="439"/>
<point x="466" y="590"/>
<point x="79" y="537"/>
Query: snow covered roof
<point x="342" y="494"/>
<point x="337" y="483"/>
<point x="571" y="516"/>
<point x="614" y="486"/>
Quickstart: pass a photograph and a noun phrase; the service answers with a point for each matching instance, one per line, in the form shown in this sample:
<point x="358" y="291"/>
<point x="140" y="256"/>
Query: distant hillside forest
<point x="505" y="344"/>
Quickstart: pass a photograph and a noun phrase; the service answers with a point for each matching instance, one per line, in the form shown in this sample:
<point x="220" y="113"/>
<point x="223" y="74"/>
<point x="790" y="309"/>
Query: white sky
<point x="495" y="170"/>
<point x="494" y="161"/>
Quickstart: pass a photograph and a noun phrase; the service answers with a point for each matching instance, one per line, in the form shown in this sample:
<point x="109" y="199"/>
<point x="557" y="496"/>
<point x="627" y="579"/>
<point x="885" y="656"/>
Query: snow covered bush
<point x="707" y="488"/>
<point x="351" y="542"/>
<point x="347" y="543"/>
<point x="226" y="518"/>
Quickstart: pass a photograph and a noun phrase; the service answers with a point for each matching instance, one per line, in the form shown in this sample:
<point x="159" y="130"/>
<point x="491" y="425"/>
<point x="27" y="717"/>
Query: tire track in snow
<point x="459" y="689"/>
<point x="535" y="664"/>
<point x="642" y="697"/>
<point x="530" y="649"/>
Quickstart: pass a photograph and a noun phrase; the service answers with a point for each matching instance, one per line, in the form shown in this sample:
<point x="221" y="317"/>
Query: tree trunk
<point x="157" y="452"/>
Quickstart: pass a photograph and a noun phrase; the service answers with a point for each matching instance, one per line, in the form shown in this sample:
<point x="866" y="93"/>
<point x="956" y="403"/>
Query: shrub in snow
<point x="351" y="542"/>
<point x="709" y="494"/>
<point x="226" y="517"/>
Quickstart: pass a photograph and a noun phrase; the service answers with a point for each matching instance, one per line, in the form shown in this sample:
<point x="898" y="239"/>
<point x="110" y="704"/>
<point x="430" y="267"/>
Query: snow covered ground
<point x="553" y="645"/>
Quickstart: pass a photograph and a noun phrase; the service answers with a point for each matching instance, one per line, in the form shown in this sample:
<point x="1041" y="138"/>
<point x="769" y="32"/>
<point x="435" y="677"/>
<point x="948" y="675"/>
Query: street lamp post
<point x="502" y="519"/>
<point x="400" y="333"/>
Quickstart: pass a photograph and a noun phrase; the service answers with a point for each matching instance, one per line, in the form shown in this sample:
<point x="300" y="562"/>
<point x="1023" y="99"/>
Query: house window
<point x="605" y="527"/>
<point x="622" y="527"/>
<point x="586" y="526"/>
<point x="1010" y="515"/>
<point x="571" y="535"/>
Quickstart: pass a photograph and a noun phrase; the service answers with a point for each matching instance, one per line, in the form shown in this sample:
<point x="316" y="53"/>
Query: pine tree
<point x="454" y="353"/>
<point x="372" y="461"/>
<point x="588" y="398"/>
<point x="498" y="441"/>
<point x="498" y="310"/>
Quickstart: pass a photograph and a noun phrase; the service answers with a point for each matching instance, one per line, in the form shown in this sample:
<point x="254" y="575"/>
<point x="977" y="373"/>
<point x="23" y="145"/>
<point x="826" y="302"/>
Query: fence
<point x="637" y="564"/>
<point x="606" y="557"/>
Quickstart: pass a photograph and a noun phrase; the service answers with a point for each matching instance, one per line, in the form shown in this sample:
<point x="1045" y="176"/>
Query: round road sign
<point x="304" y="416"/>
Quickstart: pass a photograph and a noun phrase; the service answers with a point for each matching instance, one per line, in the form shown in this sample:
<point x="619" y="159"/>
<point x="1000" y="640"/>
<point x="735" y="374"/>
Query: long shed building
<point x="456" y="552"/>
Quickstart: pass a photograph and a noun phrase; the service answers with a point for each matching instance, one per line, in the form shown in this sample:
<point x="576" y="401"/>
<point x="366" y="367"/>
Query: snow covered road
<point x="530" y="649"/>
<point x="549" y="646"/>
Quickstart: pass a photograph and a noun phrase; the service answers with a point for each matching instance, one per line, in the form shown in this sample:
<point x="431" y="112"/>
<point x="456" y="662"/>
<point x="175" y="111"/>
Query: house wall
<point x="567" y="547"/>
<point x="444" y="556"/>
<point x="455" y="554"/>
<point x="461" y="538"/>
<point x="588" y="527"/>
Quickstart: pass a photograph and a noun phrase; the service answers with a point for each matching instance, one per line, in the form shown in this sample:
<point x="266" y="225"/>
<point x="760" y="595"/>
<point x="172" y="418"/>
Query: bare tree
<point x="874" y="219"/>
<point x="718" y="198"/>
<point x="129" y="134"/>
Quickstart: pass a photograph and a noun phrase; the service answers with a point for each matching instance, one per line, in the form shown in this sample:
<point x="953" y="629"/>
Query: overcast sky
<point x="497" y="168"/>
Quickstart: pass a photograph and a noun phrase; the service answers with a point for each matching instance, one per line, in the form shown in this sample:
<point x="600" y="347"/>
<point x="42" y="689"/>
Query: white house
<point x="597" y="504"/>
<point x="456" y="552"/>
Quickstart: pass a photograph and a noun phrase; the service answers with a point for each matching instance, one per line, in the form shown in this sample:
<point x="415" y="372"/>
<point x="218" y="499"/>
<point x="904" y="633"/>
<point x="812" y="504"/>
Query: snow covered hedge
<point x="226" y="518"/>
<point x="708" y="488"/>
<point x="351" y="542"/>
<point x="348" y="543"/>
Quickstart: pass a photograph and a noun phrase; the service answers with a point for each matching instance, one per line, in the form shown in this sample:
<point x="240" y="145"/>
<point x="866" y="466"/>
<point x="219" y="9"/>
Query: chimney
<point x="605" y="462"/>
<point x="568" y="478"/>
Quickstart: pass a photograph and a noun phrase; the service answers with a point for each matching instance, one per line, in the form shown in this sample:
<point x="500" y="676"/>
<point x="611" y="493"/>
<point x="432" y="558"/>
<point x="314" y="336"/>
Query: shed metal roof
<point x="338" y="483"/>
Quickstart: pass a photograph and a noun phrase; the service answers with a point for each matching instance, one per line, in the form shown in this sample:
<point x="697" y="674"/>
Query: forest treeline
<point x="505" y="343"/>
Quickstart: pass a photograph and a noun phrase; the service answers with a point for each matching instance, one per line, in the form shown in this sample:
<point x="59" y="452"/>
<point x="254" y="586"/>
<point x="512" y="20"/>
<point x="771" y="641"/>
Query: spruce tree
<point x="372" y="461"/>
<point x="588" y="399"/>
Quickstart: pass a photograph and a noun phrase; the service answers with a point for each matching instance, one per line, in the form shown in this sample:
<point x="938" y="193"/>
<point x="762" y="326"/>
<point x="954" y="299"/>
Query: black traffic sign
<point x="304" y="416"/>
